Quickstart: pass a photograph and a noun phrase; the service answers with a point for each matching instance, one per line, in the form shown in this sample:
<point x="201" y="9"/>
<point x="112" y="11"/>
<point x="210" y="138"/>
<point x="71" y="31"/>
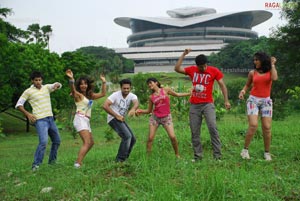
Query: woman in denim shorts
<point x="159" y="106"/>
<point x="259" y="101"/>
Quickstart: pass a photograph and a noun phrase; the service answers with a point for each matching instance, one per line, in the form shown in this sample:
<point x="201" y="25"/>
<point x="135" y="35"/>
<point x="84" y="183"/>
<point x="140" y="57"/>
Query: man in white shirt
<point x="117" y="105"/>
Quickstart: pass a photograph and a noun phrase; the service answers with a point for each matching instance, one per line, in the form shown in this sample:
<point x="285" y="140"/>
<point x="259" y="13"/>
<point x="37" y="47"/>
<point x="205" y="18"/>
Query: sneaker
<point x="218" y="158"/>
<point x="245" y="154"/>
<point x="196" y="159"/>
<point x="267" y="156"/>
<point x="77" y="165"/>
<point x="52" y="162"/>
<point x="35" y="168"/>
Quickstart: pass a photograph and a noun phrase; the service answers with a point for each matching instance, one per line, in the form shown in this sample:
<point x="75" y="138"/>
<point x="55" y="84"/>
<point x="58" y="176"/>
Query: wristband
<point x="71" y="81"/>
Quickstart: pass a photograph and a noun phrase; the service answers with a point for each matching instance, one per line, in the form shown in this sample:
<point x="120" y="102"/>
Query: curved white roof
<point x="190" y="11"/>
<point x="190" y="16"/>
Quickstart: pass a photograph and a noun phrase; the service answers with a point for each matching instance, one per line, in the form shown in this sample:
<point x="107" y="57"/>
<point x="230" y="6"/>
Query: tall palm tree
<point x="47" y="32"/>
<point x="39" y="35"/>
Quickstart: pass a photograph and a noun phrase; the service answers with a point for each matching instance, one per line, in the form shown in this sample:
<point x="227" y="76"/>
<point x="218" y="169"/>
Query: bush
<point x="140" y="87"/>
<point x="1" y="129"/>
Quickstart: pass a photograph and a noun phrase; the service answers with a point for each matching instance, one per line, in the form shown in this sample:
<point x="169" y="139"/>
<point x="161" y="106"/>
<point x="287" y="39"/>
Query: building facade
<point x="156" y="43"/>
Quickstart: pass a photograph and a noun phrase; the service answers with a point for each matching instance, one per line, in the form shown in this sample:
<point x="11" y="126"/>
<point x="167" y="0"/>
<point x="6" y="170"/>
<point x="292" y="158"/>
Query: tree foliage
<point x="8" y="30"/>
<point x="286" y="48"/>
<point x="238" y="57"/>
<point x="110" y="61"/>
<point x="20" y="60"/>
<point x="39" y="35"/>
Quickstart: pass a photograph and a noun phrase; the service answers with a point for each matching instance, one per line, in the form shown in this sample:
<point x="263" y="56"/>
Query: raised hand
<point x="186" y="51"/>
<point x="273" y="60"/>
<point x="69" y="73"/>
<point x="102" y="78"/>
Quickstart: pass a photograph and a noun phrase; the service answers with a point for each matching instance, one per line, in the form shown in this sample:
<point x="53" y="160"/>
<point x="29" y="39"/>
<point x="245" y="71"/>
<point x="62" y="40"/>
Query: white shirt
<point x="119" y="104"/>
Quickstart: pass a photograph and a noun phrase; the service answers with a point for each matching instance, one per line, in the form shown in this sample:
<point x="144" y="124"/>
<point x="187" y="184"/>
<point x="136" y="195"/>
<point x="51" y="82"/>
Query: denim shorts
<point x="81" y="122"/>
<point x="256" y="105"/>
<point x="155" y="121"/>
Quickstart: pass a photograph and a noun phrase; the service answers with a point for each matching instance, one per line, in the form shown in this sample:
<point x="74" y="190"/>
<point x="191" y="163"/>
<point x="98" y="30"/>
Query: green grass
<point x="160" y="176"/>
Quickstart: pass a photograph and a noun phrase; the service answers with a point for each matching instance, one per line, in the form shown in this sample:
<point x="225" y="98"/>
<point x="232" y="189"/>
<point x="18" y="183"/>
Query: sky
<point x="80" y="23"/>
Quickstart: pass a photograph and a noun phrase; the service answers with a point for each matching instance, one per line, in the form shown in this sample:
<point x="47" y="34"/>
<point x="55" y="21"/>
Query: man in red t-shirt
<point x="202" y="103"/>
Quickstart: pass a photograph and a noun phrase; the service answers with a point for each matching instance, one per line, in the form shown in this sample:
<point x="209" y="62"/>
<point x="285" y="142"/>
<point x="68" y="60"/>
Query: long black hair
<point x="265" y="61"/>
<point x="152" y="79"/>
<point x="89" y="82"/>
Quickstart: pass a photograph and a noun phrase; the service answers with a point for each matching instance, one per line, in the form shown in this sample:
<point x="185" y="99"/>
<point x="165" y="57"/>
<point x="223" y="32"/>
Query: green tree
<point x="9" y="31"/>
<point x="238" y="56"/>
<point x="113" y="61"/>
<point x="20" y="60"/>
<point x="34" y="33"/>
<point x="46" y="33"/>
<point x="79" y="63"/>
<point x="285" y="46"/>
<point x="5" y="12"/>
<point x="287" y="43"/>
<point x="39" y="35"/>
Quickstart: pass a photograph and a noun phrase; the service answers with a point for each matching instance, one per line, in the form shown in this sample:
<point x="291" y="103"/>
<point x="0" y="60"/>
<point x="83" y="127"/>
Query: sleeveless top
<point x="84" y="107"/>
<point x="261" y="85"/>
<point x="161" y="103"/>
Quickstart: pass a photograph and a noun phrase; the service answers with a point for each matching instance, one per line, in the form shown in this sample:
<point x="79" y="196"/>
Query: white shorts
<point x="81" y="123"/>
<point x="256" y="105"/>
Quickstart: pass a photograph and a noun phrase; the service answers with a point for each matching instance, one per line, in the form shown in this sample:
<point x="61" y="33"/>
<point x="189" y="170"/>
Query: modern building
<point x="156" y="43"/>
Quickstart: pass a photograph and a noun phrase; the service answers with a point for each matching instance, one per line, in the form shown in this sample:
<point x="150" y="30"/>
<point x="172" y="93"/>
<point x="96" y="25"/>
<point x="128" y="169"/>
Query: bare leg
<point x="152" y="131"/>
<point x="266" y="128"/>
<point x="252" y="126"/>
<point x="88" y="143"/>
<point x="170" y="130"/>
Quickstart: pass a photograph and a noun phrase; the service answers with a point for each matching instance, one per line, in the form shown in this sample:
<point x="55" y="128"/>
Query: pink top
<point x="161" y="103"/>
<point x="261" y="85"/>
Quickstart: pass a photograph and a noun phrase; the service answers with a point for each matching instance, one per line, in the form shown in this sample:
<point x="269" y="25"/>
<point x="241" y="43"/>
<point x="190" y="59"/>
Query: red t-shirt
<point x="203" y="83"/>
<point x="261" y="85"/>
<point x="161" y="103"/>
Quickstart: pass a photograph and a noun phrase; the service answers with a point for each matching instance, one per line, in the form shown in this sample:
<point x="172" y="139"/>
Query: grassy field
<point x="159" y="176"/>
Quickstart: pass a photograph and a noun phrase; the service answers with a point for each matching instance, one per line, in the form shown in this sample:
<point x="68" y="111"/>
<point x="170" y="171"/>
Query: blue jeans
<point x="128" y="139"/>
<point x="45" y="127"/>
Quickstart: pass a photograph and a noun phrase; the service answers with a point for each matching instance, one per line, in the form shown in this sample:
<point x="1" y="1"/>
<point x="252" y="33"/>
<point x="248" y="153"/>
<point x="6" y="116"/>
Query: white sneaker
<point x="77" y="165"/>
<point x="267" y="156"/>
<point x="245" y="154"/>
<point x="35" y="168"/>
